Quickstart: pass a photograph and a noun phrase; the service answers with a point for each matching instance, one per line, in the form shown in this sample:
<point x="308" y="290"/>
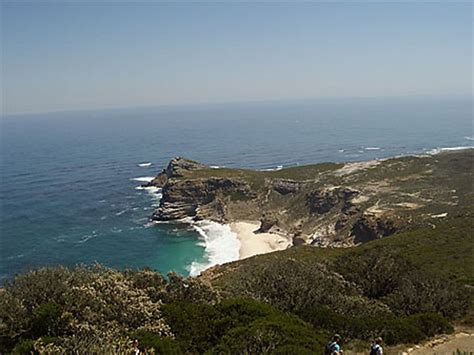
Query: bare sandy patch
<point x="350" y="168"/>
<point x="252" y="243"/>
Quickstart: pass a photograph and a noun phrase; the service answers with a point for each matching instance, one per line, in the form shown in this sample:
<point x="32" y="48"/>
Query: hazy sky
<point x="87" y="55"/>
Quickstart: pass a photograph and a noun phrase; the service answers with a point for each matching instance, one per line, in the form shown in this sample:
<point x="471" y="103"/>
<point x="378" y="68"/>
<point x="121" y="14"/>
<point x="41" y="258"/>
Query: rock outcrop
<point x="199" y="198"/>
<point x="371" y="228"/>
<point x="267" y="222"/>
<point x="285" y="187"/>
<point x="322" y="201"/>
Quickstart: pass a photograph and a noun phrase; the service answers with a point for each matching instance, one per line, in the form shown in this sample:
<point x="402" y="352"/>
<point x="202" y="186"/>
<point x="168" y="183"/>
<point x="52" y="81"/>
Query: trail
<point x="462" y="340"/>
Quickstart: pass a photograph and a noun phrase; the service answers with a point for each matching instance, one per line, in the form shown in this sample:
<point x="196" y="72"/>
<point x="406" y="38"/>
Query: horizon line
<point x="231" y="102"/>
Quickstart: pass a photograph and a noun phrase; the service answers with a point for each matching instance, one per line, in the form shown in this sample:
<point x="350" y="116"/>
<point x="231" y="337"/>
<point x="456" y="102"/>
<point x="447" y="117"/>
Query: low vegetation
<point x="279" y="303"/>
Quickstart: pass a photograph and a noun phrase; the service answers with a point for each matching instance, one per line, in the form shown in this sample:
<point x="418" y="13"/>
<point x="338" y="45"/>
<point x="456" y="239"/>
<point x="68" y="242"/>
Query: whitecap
<point x="214" y="166"/>
<point x="221" y="245"/>
<point x="144" y="165"/>
<point x="143" y="178"/>
<point x="341" y="150"/>
<point x="372" y="148"/>
<point x="86" y="237"/>
<point x="12" y="257"/>
<point x="60" y="238"/>
<point x="121" y="212"/>
<point x="469" y="138"/>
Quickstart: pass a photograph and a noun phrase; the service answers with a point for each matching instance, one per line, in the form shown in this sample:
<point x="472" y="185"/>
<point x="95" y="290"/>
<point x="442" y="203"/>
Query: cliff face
<point x="324" y="204"/>
<point x="203" y="198"/>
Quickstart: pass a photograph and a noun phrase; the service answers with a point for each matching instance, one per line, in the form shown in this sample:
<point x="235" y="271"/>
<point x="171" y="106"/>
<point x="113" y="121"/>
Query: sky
<point x="89" y="55"/>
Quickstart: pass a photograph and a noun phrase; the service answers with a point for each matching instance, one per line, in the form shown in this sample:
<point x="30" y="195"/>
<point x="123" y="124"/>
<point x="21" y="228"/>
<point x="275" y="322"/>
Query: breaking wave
<point x="221" y="245"/>
<point x="448" y="149"/>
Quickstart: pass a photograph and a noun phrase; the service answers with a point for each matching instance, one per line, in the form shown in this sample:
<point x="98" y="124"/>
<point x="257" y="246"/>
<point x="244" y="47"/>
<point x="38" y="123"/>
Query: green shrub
<point x="394" y="329"/>
<point x="399" y="284"/>
<point x="24" y="347"/>
<point x="238" y="326"/>
<point x="181" y="289"/>
<point x="431" y="324"/>
<point x="46" y="320"/>
<point x="237" y="312"/>
<point x="93" y="303"/>
<point x="194" y="325"/>
<point x="159" y="344"/>
<point x="271" y="334"/>
<point x="400" y="330"/>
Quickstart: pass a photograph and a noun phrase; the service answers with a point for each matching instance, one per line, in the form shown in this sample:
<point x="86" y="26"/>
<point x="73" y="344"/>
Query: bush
<point x="399" y="284"/>
<point x="238" y="326"/>
<point x="432" y="324"/>
<point x="46" y="320"/>
<point x="295" y="285"/>
<point x="93" y="303"/>
<point x="24" y="347"/>
<point x="274" y="334"/>
<point x="154" y="342"/>
<point x="393" y="329"/>
<point x="194" y="325"/>
<point x="180" y="289"/>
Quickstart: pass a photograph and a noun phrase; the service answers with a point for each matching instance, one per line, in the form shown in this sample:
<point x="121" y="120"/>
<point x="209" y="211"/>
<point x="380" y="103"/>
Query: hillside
<point x="325" y="204"/>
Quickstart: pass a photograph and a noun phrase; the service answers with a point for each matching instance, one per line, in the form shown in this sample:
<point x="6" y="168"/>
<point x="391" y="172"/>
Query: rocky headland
<point x="329" y="204"/>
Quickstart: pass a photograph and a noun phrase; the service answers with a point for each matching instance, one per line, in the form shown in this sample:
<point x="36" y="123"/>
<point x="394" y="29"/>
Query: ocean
<point x="70" y="182"/>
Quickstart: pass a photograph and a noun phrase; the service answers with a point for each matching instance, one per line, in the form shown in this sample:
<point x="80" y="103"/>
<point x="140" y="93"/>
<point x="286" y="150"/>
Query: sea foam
<point x="144" y="165"/>
<point x="220" y="243"/>
<point x="449" y="149"/>
<point x="277" y="168"/>
<point x="143" y="178"/>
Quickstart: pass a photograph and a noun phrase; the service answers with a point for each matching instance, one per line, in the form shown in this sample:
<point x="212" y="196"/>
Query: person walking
<point x="334" y="346"/>
<point x="376" y="348"/>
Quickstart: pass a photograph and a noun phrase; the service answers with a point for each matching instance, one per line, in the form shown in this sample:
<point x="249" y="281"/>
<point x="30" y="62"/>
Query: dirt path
<point x="462" y="340"/>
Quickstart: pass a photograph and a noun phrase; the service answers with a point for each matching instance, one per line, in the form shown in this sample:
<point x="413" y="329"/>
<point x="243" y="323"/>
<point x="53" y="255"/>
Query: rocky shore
<point x="329" y="205"/>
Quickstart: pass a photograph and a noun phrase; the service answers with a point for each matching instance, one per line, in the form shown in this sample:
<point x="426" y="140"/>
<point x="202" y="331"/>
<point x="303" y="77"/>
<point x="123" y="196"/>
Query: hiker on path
<point x="334" y="346"/>
<point x="376" y="348"/>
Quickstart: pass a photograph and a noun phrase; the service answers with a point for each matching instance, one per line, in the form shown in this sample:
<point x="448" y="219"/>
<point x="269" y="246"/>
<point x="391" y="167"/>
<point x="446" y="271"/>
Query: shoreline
<point x="252" y="243"/>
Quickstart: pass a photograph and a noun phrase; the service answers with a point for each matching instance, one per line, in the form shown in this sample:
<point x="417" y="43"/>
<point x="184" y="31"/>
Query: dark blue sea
<point x="70" y="181"/>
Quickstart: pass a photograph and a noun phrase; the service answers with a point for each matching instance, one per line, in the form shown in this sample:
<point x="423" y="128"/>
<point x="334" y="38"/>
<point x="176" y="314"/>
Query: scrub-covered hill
<point x="325" y="204"/>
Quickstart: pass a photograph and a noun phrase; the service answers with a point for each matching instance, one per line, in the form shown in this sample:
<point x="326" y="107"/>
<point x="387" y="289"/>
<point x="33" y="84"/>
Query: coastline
<point x="238" y="239"/>
<point x="252" y="243"/>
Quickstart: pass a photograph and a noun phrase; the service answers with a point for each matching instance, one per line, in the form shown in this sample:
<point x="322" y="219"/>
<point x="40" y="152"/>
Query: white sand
<point x="252" y="243"/>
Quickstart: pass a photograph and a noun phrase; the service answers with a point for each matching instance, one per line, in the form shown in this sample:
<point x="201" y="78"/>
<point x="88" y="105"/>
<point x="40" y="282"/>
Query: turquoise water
<point x="67" y="189"/>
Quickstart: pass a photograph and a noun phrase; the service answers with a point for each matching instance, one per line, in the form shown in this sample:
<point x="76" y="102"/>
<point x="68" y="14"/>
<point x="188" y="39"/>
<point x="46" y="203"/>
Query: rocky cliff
<point x="323" y="204"/>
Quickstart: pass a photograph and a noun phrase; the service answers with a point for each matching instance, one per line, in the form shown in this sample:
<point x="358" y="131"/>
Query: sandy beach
<point x="257" y="243"/>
